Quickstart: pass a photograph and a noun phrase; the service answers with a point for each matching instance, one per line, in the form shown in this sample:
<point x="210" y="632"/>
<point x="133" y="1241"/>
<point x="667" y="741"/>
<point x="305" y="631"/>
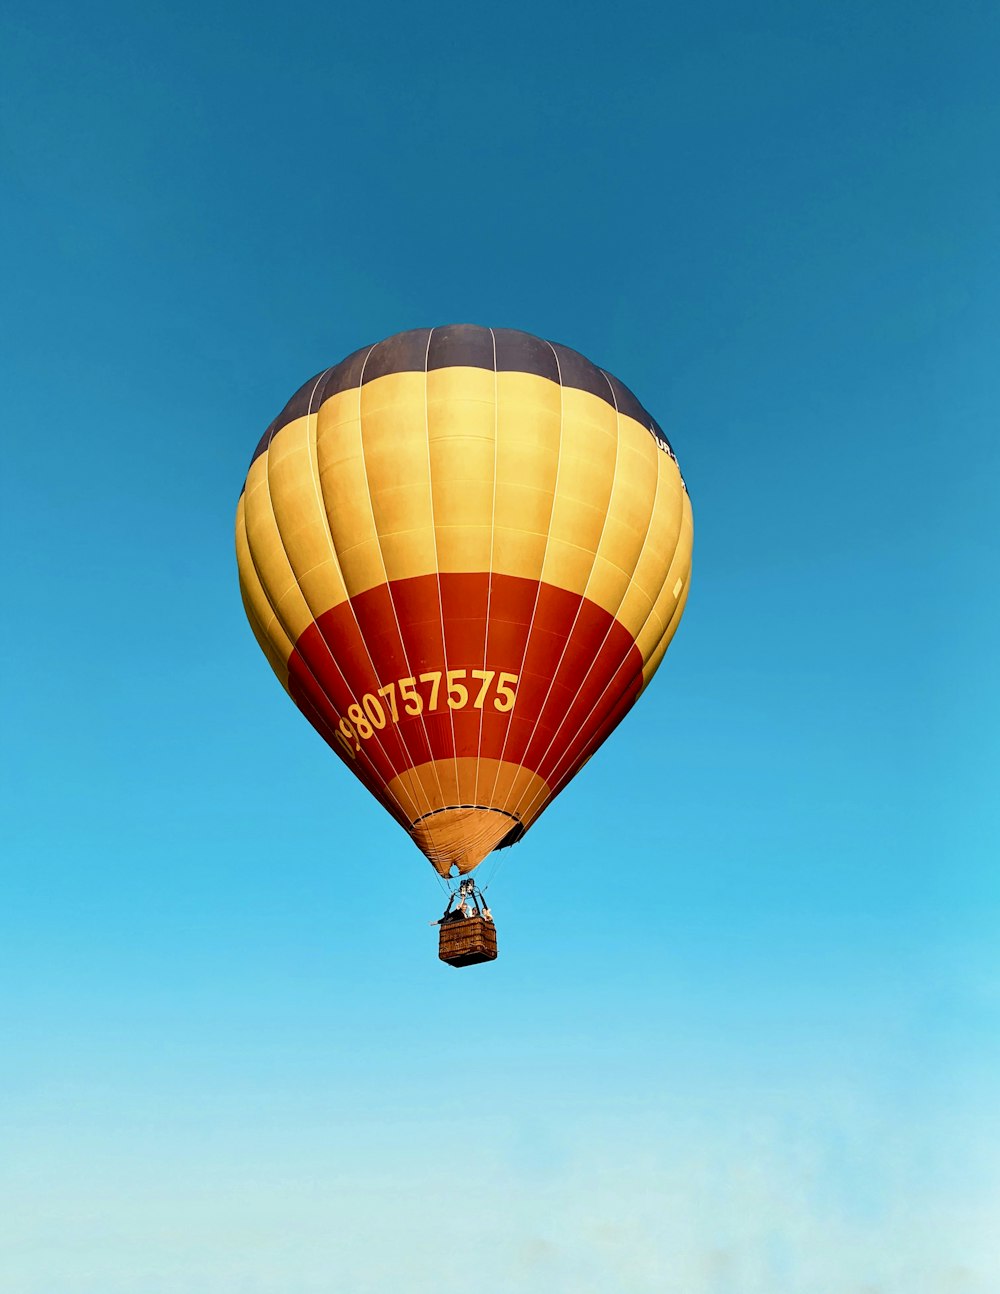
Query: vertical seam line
<point x="437" y="565"/>
<point x="590" y="576"/>
<point x="541" y="572"/>
<point x="317" y="479"/>
<point x="388" y="586"/>
<point x="560" y="781"/>
<point x="376" y="775"/>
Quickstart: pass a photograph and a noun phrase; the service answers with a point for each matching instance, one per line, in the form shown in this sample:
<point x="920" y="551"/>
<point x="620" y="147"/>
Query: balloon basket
<point x="467" y="941"/>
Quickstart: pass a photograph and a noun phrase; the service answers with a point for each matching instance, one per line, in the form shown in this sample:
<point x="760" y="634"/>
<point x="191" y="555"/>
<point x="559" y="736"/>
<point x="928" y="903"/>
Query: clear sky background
<point x="744" y="1033"/>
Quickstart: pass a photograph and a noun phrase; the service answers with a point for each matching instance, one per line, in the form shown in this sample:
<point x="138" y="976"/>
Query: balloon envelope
<point x="464" y="552"/>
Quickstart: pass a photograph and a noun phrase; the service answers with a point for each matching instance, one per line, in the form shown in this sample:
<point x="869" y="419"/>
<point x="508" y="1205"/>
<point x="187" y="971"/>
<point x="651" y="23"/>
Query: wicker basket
<point x="467" y="941"/>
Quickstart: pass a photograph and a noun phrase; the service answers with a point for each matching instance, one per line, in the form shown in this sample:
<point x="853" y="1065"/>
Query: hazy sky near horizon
<point x="747" y="1042"/>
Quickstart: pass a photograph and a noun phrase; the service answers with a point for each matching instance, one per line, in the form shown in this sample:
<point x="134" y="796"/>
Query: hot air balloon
<point x="464" y="552"/>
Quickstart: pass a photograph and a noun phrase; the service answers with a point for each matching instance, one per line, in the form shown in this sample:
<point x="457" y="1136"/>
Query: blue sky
<point x="756" y="1050"/>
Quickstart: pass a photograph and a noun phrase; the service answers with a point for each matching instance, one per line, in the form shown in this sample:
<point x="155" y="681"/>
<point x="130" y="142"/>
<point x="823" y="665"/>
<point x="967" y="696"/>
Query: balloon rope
<point x="497" y="863"/>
